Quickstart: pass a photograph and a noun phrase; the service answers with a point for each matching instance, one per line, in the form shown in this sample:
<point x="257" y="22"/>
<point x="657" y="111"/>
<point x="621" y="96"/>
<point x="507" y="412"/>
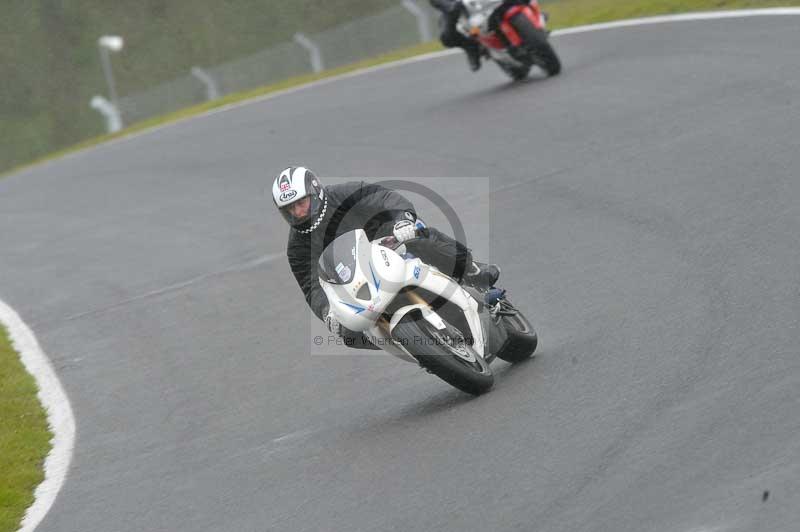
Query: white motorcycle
<point x="415" y="312"/>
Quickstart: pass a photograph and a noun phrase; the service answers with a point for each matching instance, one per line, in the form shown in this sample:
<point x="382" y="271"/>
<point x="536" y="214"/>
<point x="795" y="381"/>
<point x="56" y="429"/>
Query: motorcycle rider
<point x="451" y="37"/>
<point x="318" y="214"/>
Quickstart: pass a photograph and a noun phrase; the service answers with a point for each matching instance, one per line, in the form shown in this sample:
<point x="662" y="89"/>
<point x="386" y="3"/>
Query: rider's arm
<point x="375" y="199"/>
<point x="304" y="268"/>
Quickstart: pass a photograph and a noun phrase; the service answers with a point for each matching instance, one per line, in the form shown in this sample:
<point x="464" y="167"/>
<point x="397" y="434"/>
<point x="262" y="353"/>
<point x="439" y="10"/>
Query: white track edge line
<point x="659" y="19"/>
<point x="682" y="17"/>
<point x="59" y="415"/>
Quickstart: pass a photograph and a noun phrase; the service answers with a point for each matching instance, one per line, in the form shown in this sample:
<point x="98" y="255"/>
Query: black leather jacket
<point x="353" y="205"/>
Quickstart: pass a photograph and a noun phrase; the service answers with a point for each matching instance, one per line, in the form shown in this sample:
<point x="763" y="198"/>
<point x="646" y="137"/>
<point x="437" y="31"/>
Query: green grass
<point x="563" y="14"/>
<point x="567" y="13"/>
<point x="24" y="437"/>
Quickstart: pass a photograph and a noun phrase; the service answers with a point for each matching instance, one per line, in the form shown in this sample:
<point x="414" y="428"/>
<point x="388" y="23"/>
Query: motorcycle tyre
<point x="535" y="40"/>
<point x="437" y="359"/>
<point x="521" y="342"/>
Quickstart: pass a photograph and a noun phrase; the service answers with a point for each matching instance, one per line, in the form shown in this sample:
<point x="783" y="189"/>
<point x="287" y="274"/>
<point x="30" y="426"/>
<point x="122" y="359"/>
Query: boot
<point x="481" y="276"/>
<point x="473" y="57"/>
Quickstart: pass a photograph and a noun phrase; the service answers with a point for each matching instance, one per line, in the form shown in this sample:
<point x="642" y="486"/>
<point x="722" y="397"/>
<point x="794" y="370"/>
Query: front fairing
<point x="372" y="281"/>
<point x="480" y="19"/>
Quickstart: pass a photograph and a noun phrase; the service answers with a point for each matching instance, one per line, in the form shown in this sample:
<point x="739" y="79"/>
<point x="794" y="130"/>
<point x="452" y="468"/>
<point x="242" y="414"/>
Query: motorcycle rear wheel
<point x="424" y="342"/>
<point x="521" y="341"/>
<point x="535" y="40"/>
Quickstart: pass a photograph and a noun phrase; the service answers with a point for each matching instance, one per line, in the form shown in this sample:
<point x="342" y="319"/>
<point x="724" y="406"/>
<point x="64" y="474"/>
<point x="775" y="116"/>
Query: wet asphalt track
<point x="646" y="211"/>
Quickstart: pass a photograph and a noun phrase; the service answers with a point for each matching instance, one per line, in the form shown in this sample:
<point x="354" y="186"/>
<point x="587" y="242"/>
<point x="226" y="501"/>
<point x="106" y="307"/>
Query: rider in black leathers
<point x="337" y="209"/>
<point x="451" y="37"/>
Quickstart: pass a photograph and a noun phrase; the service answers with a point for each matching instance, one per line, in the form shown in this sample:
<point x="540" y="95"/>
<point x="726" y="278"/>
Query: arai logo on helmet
<point x="286" y="196"/>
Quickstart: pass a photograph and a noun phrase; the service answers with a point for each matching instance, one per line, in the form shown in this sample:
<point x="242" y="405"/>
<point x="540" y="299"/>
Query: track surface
<point x="646" y="210"/>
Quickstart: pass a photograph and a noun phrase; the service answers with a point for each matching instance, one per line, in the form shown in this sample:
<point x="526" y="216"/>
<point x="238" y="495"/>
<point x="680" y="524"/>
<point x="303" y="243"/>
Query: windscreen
<point x="337" y="265"/>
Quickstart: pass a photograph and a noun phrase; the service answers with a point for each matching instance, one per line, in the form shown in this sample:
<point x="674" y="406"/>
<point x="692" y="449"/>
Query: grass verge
<point x="24" y="437"/>
<point x="567" y="13"/>
<point x="563" y="14"/>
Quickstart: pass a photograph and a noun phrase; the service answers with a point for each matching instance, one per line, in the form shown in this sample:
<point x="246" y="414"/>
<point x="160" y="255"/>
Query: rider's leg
<point x="453" y="258"/>
<point x="451" y="37"/>
<point x="448" y="255"/>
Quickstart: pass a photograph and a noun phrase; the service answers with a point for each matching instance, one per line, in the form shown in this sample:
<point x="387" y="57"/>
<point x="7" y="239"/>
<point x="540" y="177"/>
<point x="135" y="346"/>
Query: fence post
<point x="423" y="23"/>
<point x="313" y="50"/>
<point x="212" y="91"/>
<point x="111" y="113"/>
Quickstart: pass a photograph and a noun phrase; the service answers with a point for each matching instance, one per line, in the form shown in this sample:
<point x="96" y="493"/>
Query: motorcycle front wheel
<point x="437" y="352"/>
<point x="535" y="40"/>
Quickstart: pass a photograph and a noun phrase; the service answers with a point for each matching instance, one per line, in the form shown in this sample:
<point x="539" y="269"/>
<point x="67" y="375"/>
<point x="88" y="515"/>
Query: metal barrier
<point x="409" y="23"/>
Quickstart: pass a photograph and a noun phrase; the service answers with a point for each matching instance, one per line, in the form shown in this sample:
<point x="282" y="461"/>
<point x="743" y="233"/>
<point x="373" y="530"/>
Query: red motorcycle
<point x="512" y="33"/>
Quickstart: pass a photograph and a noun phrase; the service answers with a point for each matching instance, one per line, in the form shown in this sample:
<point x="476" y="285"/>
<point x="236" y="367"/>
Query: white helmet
<point x="294" y="184"/>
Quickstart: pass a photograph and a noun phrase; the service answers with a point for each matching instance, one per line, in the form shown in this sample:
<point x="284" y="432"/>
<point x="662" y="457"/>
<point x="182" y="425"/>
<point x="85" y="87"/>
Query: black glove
<point x="404" y="230"/>
<point x="332" y="323"/>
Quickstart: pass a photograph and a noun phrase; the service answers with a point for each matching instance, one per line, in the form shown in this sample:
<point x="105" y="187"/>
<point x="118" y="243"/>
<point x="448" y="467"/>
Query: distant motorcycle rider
<point x="451" y="37"/>
<point x="317" y="215"/>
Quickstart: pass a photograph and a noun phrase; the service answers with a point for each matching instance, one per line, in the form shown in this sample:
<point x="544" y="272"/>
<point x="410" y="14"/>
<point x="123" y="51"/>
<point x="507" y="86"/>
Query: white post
<point x="108" y="44"/>
<point x="212" y="92"/>
<point x="423" y="24"/>
<point x="109" y="111"/>
<point x="313" y="50"/>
